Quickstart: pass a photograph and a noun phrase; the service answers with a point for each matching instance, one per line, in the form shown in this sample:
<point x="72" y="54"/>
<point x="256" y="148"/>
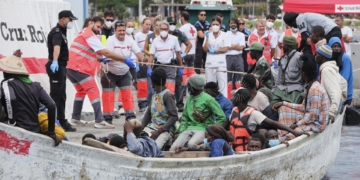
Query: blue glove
<point x="180" y="72"/>
<point x="104" y="60"/>
<point x="137" y="67"/>
<point x="149" y="72"/>
<point x="211" y="51"/>
<point x="207" y="34"/>
<point x="54" y="66"/>
<point x="129" y="62"/>
<point x="183" y="55"/>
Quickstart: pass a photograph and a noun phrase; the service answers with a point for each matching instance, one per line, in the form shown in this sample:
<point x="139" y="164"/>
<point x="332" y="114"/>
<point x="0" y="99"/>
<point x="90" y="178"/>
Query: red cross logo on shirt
<point x="192" y="32"/>
<point x="128" y="47"/>
<point x="340" y="8"/>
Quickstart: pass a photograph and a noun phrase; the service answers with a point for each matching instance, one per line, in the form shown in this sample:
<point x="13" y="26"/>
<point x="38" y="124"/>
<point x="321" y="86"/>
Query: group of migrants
<point x="241" y="105"/>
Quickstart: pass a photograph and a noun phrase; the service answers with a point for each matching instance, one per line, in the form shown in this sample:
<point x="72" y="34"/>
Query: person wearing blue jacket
<point x="344" y="63"/>
<point x="226" y="105"/>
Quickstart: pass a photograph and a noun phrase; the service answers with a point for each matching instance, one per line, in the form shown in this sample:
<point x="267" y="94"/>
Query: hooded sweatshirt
<point x="334" y="84"/>
<point x="346" y="71"/>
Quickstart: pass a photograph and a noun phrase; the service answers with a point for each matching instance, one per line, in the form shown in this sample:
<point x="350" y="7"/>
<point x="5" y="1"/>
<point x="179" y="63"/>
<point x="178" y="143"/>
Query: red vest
<point x="288" y="32"/>
<point x="238" y="127"/>
<point x="267" y="48"/>
<point x="82" y="57"/>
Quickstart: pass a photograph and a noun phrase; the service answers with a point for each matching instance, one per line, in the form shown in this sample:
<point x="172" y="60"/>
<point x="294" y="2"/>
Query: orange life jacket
<point x="288" y="32"/>
<point x="82" y="57"/>
<point x="239" y="128"/>
<point x="266" y="41"/>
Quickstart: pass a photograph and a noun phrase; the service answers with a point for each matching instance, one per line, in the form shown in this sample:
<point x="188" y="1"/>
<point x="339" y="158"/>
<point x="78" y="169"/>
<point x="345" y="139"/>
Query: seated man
<point x="288" y="85"/>
<point x="313" y="113"/>
<point x="258" y="100"/>
<point x="245" y="120"/>
<point x="160" y="116"/>
<point x="139" y="143"/>
<point x="21" y="97"/>
<point x="335" y="85"/>
<point x="201" y="110"/>
<point x="226" y="105"/>
<point x="256" y="142"/>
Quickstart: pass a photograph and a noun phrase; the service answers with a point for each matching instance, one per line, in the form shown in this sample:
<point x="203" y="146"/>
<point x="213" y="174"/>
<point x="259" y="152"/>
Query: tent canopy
<point x="323" y="6"/>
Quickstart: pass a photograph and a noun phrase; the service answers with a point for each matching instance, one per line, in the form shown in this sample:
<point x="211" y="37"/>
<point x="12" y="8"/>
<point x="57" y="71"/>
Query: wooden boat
<point x="27" y="155"/>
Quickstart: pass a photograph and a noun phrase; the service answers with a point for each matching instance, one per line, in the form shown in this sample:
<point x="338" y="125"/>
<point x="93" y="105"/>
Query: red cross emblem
<point x="128" y="47"/>
<point x="340" y="8"/>
<point x="171" y="49"/>
<point x="192" y="32"/>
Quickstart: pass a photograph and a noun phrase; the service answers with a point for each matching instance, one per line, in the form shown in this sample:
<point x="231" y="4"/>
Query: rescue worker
<point x="246" y="33"/>
<point x="107" y="29"/>
<point x="234" y="61"/>
<point x="180" y="88"/>
<point x="263" y="37"/>
<point x="142" y="83"/>
<point x="201" y="27"/>
<point x="119" y="73"/>
<point x="287" y="33"/>
<point x="82" y="66"/>
<point x="168" y="49"/>
<point x="56" y="66"/>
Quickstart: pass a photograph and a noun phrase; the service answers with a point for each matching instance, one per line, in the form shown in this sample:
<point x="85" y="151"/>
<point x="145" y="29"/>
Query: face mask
<point x="108" y="23"/>
<point x="206" y="143"/>
<point x="295" y="29"/>
<point x="233" y="29"/>
<point x="69" y="25"/>
<point x="269" y="24"/>
<point x="163" y="33"/>
<point x="172" y="28"/>
<point x="129" y="30"/>
<point x="216" y="28"/>
<point x="274" y="142"/>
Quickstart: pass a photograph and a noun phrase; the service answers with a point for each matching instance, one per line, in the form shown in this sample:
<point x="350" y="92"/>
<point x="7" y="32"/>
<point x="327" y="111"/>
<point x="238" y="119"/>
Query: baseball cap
<point x="67" y="13"/>
<point x="255" y="46"/>
<point x="171" y="20"/>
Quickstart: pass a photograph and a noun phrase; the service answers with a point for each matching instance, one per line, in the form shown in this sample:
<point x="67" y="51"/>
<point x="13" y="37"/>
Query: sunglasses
<point x="110" y="20"/>
<point x="202" y="14"/>
<point x="172" y="23"/>
<point x="242" y="23"/>
<point x="119" y="24"/>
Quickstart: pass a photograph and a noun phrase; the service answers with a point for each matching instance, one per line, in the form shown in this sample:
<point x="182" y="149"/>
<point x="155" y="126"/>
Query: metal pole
<point x="172" y="8"/>
<point x="140" y="10"/>
<point x="253" y="16"/>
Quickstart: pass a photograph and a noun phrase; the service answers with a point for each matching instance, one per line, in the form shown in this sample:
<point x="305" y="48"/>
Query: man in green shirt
<point x="201" y="110"/>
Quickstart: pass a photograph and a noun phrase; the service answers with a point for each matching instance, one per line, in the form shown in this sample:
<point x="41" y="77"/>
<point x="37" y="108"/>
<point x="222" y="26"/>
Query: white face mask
<point x="269" y="24"/>
<point x="233" y="29"/>
<point x="295" y="29"/>
<point x="163" y="33"/>
<point x="129" y="30"/>
<point x="108" y="23"/>
<point x="172" y="28"/>
<point x="215" y="28"/>
<point x="69" y="25"/>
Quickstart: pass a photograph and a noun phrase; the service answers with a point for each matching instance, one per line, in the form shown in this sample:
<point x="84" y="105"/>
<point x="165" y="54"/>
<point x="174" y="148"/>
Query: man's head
<point x="172" y="23"/>
<point x="270" y="19"/>
<point x="91" y="136"/>
<point x="146" y="24"/>
<point x="215" y="24"/>
<point x="260" y="27"/>
<point x="241" y="98"/>
<point x="87" y="22"/>
<point x="219" y="15"/>
<point x="290" y="19"/>
<point x="241" y="24"/>
<point x="202" y="15"/>
<point x="317" y="34"/>
<point x="256" y="50"/>
<point x="96" y="24"/>
<point x="164" y="29"/>
<point x="323" y="54"/>
<point x="156" y="24"/>
<point x="212" y="89"/>
<point x="66" y="18"/>
<point x="185" y="17"/>
<point x="233" y="24"/>
<point x="271" y="134"/>
<point x="290" y="44"/>
<point x="335" y="44"/>
<point x="249" y="82"/>
<point x="158" y="78"/>
<point x="118" y="141"/>
<point x="256" y="142"/>
<point x="195" y="84"/>
<point x="339" y="20"/>
<point x="120" y="28"/>
<point x="137" y="127"/>
<point x="130" y="26"/>
<point x="308" y="71"/>
<point x="109" y="17"/>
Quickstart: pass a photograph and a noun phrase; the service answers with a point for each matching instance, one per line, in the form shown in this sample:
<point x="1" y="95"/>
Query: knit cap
<point x="325" y="51"/>
<point x="197" y="82"/>
<point x="291" y="41"/>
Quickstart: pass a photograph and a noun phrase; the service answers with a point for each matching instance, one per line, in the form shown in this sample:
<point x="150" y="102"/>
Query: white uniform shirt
<point x="95" y="43"/>
<point x="191" y="33"/>
<point x="123" y="48"/>
<point x="346" y="30"/>
<point x="273" y="44"/>
<point x="217" y="60"/>
<point x="140" y="39"/>
<point x="133" y="55"/>
<point x="237" y="38"/>
<point x="165" y="50"/>
<point x="281" y="38"/>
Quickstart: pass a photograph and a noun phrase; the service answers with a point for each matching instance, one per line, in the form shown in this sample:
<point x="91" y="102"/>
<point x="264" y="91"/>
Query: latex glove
<point x="207" y="34"/>
<point x="104" y="60"/>
<point x="149" y="72"/>
<point x="129" y="62"/>
<point x="54" y="66"/>
<point x="180" y="72"/>
<point x="211" y="51"/>
<point x="137" y="67"/>
<point x="183" y="55"/>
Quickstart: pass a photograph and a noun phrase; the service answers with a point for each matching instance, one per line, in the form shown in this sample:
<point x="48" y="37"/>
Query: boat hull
<point x="26" y="155"/>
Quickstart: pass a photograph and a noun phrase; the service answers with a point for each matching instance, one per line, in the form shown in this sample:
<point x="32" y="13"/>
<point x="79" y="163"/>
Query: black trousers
<point x="335" y="32"/>
<point x="58" y="89"/>
<point x="200" y="58"/>
<point x="244" y="56"/>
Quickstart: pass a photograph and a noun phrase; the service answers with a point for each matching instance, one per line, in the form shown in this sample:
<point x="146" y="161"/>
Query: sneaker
<point x="180" y="109"/>
<point x="104" y="125"/>
<point x="67" y="127"/>
<point x="121" y="112"/>
<point x="78" y="122"/>
<point x="108" y="121"/>
<point x="142" y="109"/>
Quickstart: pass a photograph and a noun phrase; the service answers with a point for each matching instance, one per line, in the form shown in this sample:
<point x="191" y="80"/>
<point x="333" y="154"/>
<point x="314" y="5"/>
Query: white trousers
<point x="219" y="77"/>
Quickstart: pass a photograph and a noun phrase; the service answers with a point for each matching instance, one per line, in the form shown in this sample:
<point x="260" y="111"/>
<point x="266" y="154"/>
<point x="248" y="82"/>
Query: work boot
<point x="104" y="125"/>
<point x="67" y="126"/>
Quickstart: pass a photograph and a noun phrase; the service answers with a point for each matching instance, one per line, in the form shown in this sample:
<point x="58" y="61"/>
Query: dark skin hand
<point x="331" y="118"/>
<point x="276" y="106"/>
<point x="56" y="139"/>
<point x="293" y="126"/>
<point x="156" y="134"/>
<point x="180" y="149"/>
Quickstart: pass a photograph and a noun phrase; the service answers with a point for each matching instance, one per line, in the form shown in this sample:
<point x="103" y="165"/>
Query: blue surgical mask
<point x="206" y="143"/>
<point x="233" y="29"/>
<point x="274" y="142"/>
